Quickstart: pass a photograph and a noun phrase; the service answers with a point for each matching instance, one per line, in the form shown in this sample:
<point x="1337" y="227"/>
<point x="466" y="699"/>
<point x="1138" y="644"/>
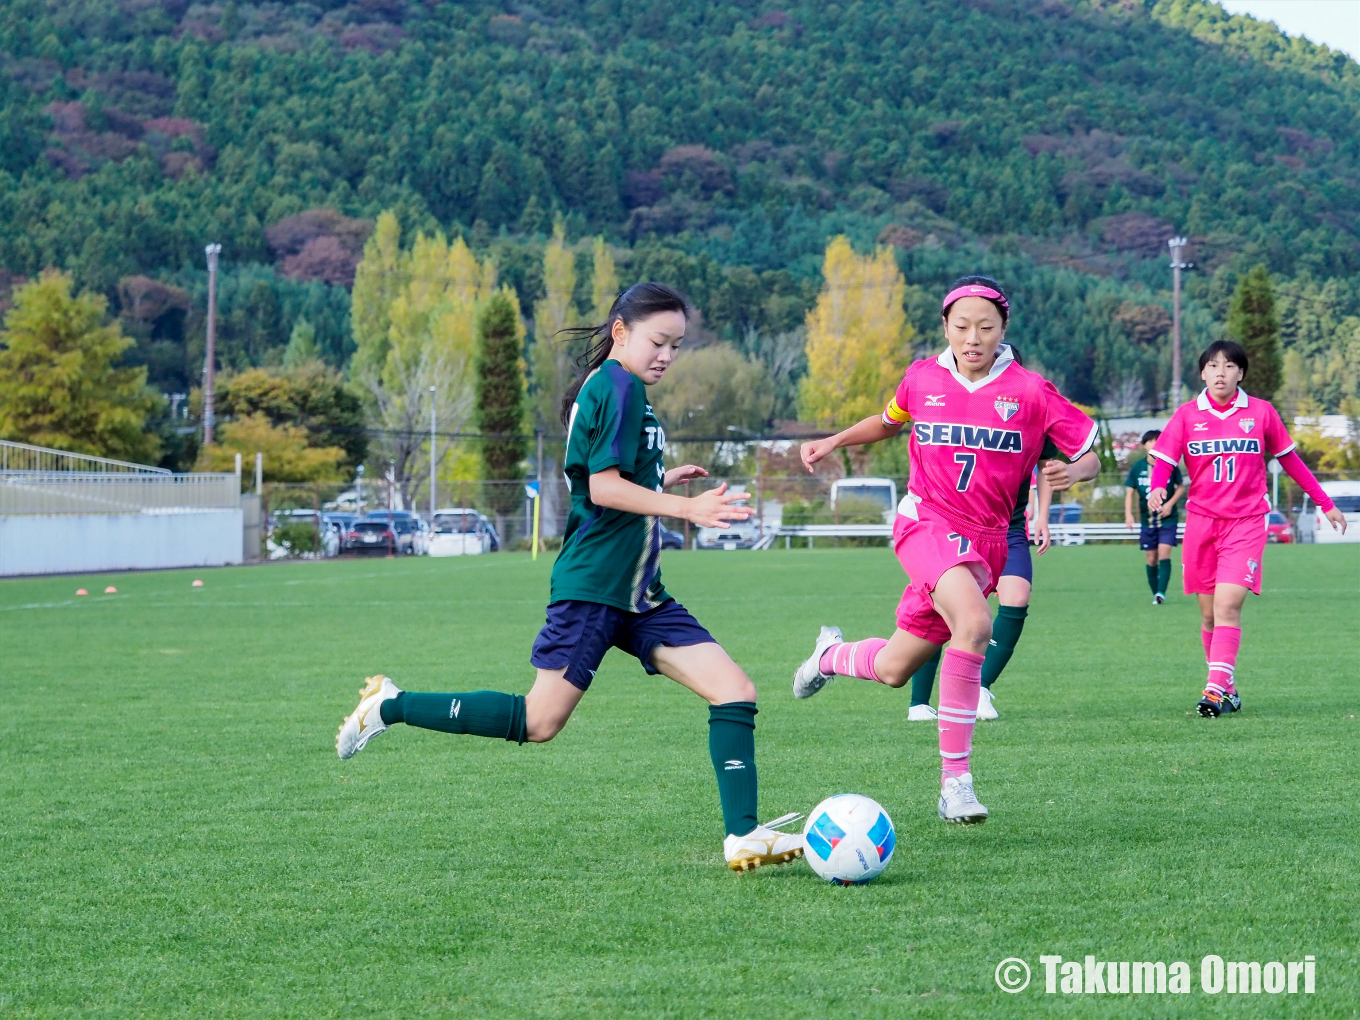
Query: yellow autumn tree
<point x="604" y="281"/>
<point x="551" y="357"/>
<point x="859" y="340"/>
<point x="415" y="334"/>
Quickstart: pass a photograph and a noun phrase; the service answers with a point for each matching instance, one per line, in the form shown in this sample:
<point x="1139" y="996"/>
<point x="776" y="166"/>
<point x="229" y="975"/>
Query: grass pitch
<point x="178" y="839"/>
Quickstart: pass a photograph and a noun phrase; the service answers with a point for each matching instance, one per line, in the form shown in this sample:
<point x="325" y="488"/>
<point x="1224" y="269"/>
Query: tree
<point x="859" y="340"/>
<point x="434" y="293"/>
<point x="287" y="455"/>
<point x="378" y="279"/>
<point x="500" y="396"/>
<point x="301" y="345"/>
<point x="604" y="281"/>
<point x="310" y="395"/>
<point x="552" y="355"/>
<point x="712" y="387"/>
<point x="59" y="386"/>
<point x="1252" y="322"/>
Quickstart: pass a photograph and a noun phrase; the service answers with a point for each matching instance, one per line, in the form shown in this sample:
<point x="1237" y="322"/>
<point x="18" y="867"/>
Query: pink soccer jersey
<point x="1226" y="452"/>
<point x="973" y="443"/>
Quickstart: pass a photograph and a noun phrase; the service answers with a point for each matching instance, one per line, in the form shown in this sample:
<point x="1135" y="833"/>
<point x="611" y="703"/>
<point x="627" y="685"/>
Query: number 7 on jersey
<point x="969" y="461"/>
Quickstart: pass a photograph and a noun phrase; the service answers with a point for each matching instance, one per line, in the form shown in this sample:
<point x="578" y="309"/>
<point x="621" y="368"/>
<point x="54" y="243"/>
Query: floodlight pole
<point x="1177" y="246"/>
<point x="432" y="435"/>
<point x="210" y="357"/>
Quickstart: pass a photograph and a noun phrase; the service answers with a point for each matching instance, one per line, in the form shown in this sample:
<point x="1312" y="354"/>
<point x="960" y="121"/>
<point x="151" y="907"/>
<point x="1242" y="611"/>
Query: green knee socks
<point x="1163" y="576"/>
<point x="1152" y="577"/>
<point x="732" y="746"/>
<point x="923" y="680"/>
<point x="1006" y="628"/>
<point x="481" y="713"/>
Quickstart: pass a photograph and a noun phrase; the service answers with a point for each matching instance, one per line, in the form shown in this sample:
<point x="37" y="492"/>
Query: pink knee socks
<point x="960" y="684"/>
<point x="1223" y="660"/>
<point x="853" y="658"/>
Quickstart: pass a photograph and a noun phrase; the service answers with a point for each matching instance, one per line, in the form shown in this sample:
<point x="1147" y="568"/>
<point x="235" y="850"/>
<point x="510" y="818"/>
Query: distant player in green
<point x="1157" y="532"/>
<point x="606" y="588"/>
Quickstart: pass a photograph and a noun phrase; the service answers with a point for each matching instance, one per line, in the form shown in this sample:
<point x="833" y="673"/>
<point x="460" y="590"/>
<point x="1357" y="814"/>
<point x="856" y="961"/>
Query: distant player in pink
<point x="978" y="425"/>
<point x="1226" y="438"/>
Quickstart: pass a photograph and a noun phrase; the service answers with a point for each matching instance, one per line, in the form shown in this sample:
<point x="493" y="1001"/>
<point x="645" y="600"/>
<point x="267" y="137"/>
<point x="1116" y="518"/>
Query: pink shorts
<point x="927" y="546"/>
<point x="1222" y="550"/>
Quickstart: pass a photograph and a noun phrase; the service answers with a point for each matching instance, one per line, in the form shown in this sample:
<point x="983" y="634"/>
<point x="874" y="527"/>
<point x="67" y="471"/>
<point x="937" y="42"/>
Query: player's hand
<point x="713" y="508"/>
<point x="1337" y="518"/>
<point x="1058" y="474"/>
<point x="1043" y="537"/>
<point x="814" y="451"/>
<point x="678" y="475"/>
<point x="1155" y="500"/>
<point x="1128" y="521"/>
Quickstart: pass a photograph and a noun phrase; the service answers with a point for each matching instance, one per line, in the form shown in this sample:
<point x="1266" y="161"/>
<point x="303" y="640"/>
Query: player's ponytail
<point x="632" y="306"/>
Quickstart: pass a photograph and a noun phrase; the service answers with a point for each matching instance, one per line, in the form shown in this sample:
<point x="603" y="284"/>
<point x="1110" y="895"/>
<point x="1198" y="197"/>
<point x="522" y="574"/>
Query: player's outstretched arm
<point x="1128" y="508"/>
<point x="870" y="430"/>
<point x="710" y="509"/>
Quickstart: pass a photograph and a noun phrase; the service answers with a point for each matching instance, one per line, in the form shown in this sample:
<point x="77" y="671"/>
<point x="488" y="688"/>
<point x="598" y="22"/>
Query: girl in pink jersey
<point x="978" y="427"/>
<point x="1226" y="438"/>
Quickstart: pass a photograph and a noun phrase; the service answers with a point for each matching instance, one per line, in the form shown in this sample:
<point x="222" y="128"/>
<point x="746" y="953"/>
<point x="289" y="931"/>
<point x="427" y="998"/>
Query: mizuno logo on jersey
<point x="934" y="400"/>
<point x="1210" y="447"/>
<point x="1201" y="426"/>
<point x="974" y="437"/>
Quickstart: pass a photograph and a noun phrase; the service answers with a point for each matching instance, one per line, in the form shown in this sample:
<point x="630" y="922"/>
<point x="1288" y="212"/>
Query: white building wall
<point x="88" y="543"/>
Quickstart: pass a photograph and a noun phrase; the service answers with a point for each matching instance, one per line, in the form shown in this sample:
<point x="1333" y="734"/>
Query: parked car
<point x="370" y="538"/>
<point x="1346" y="496"/>
<point x="1278" y="528"/>
<point x="740" y="535"/>
<point x="405" y="525"/>
<point x="460" y="531"/>
<point x="671" y="539"/>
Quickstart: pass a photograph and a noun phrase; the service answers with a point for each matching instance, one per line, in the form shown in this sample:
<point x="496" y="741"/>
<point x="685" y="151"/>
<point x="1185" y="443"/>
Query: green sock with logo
<point x="481" y="713"/>
<point x="1152" y="578"/>
<point x="1163" y="576"/>
<point x="923" y="680"/>
<point x="732" y="746"/>
<point x="1006" y="628"/>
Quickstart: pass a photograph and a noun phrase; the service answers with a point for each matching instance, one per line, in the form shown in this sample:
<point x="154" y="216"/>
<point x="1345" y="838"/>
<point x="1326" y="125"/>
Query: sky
<point x="1334" y="23"/>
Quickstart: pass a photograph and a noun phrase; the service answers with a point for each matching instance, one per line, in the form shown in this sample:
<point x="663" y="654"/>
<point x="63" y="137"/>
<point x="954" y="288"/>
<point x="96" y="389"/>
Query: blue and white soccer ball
<point x="848" y="839"/>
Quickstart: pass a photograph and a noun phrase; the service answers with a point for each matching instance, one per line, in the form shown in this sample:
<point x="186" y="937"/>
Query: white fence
<point x="66" y="512"/>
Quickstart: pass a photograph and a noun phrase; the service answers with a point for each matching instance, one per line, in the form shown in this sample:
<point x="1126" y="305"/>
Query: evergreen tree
<point x="59" y="386"/>
<point x="1252" y="322"/>
<point x="500" y="397"/>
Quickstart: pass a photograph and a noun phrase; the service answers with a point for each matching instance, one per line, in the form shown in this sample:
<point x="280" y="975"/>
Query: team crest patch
<point x="1006" y="408"/>
<point x="1247" y="424"/>
<point x="1251" y="567"/>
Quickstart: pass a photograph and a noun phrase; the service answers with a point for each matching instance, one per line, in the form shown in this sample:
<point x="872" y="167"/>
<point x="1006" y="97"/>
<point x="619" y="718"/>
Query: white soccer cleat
<point x="764" y="845"/>
<point x="921" y="713"/>
<point x="986" y="709"/>
<point x="1158" y="599"/>
<point x="958" y="802"/>
<point x="365" y="722"/>
<point x="808" y="679"/>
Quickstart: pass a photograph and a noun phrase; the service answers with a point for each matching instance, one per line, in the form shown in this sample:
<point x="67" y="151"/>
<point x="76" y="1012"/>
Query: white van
<point x="459" y="531"/>
<point x="1346" y="496"/>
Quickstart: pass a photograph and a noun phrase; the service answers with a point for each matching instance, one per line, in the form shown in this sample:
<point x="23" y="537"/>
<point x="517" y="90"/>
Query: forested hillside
<point x="717" y="145"/>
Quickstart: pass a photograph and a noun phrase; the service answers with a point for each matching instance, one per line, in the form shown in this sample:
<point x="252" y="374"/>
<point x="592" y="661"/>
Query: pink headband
<point x="975" y="290"/>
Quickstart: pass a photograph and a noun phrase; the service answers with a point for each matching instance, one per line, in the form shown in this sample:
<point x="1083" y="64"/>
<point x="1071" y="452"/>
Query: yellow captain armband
<point x="894" y="415"/>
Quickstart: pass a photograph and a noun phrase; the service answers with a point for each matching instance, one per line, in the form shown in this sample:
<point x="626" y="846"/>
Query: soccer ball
<point x="848" y="839"/>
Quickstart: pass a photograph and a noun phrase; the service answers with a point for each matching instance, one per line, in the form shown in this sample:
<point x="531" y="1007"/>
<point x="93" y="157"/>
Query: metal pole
<point x="1176" y="244"/>
<point x="538" y="474"/>
<point x="259" y="473"/>
<point x="210" y="356"/>
<point x="432" y="459"/>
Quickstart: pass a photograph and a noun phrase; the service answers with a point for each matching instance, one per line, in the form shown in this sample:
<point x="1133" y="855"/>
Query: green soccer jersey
<point x="1049" y="452"/>
<point x="611" y="556"/>
<point x="1140" y="478"/>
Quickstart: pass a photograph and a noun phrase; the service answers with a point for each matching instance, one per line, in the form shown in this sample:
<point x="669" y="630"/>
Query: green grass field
<point x="178" y="839"/>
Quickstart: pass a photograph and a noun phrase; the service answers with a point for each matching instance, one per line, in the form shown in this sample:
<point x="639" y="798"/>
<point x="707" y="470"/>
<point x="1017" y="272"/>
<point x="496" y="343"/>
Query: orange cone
<point x="110" y="590"/>
<point x="81" y="591"/>
<point x="196" y="584"/>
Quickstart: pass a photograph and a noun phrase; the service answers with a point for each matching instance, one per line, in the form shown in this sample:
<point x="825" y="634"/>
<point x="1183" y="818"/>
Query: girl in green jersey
<point x="606" y="588"/>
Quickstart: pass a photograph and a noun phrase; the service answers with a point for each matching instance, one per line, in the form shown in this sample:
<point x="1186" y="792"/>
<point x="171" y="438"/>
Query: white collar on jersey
<point x="1203" y="403"/>
<point x="1004" y="360"/>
